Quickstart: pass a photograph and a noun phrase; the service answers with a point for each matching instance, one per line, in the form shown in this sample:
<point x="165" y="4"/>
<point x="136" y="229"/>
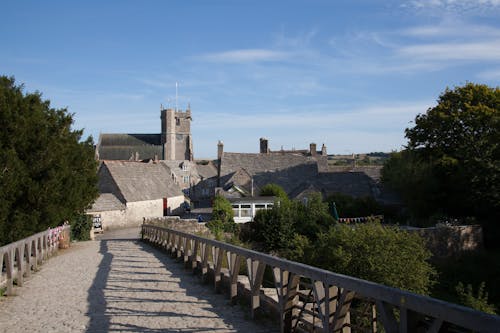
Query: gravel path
<point x="119" y="284"/>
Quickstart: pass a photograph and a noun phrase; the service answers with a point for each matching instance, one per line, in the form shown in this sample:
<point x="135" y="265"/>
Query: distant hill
<point x="374" y="158"/>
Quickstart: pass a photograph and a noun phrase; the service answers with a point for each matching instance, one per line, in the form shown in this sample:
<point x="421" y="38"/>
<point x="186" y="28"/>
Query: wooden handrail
<point x="23" y="256"/>
<point x="412" y="310"/>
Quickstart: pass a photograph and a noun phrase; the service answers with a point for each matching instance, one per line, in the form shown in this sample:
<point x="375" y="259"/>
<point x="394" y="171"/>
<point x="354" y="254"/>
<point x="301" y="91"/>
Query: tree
<point x="376" y="253"/>
<point x="451" y="162"/>
<point x="274" y="228"/>
<point x="273" y="190"/>
<point x="290" y="224"/>
<point x="47" y="175"/>
<point x="222" y="216"/>
<point x="348" y="206"/>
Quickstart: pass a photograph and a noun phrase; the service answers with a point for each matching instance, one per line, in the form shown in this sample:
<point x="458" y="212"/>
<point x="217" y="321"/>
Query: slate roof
<point x="123" y="146"/>
<point x="206" y="171"/>
<point x="106" y="202"/>
<point x="138" y="181"/>
<point x="259" y="163"/>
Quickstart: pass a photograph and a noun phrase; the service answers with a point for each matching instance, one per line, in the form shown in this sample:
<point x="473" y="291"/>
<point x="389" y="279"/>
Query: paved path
<point x="119" y="284"/>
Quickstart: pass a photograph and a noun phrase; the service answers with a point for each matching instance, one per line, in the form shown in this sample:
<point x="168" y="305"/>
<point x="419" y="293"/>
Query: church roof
<point x="126" y="146"/>
<point x="138" y="181"/>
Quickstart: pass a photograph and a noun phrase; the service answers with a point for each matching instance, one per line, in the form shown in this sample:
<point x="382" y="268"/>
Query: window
<point x="259" y="207"/>
<point x="236" y="210"/>
<point x="185" y="179"/>
<point x="184" y="167"/>
<point x="246" y="210"/>
<point x="177" y="121"/>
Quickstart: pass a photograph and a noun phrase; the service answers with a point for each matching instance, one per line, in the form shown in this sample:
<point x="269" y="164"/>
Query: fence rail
<point x="19" y="259"/>
<point x="331" y="302"/>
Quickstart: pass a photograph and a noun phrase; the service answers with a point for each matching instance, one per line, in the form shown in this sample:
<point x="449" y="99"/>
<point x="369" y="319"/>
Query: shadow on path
<point x="138" y="288"/>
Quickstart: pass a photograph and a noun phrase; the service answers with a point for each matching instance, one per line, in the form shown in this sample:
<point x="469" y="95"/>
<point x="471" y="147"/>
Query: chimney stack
<point x="220" y="153"/>
<point x="220" y="149"/>
<point x="323" y="150"/>
<point x="264" y="146"/>
<point x="312" y="149"/>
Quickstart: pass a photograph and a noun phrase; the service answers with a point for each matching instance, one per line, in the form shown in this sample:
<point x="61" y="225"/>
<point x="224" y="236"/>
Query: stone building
<point x="173" y="143"/>
<point x="131" y="191"/>
<point x="298" y="172"/>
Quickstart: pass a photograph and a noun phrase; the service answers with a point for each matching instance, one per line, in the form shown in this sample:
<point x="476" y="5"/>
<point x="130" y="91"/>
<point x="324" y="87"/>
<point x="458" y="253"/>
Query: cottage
<point x="131" y="191"/>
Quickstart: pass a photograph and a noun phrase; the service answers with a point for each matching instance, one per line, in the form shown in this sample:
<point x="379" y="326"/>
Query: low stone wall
<point x="445" y="241"/>
<point x="175" y="222"/>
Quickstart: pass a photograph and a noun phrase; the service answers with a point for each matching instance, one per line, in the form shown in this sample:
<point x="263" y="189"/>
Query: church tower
<point x="176" y="134"/>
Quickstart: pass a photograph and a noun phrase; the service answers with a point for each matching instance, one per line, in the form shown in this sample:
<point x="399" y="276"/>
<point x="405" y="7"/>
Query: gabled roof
<point x="125" y="146"/>
<point x="138" y="181"/>
<point x="106" y="202"/>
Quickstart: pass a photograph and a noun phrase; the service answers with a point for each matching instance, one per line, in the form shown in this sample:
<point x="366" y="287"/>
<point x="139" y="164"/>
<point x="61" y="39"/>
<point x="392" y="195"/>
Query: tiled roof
<point x="106" y="202"/>
<point x="259" y="163"/>
<point x="285" y="170"/>
<point x="125" y="146"/>
<point x="206" y="171"/>
<point x="138" y="181"/>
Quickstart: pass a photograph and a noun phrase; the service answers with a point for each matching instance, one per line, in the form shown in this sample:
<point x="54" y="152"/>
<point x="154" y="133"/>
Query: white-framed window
<point x="184" y="167"/>
<point x="246" y="210"/>
<point x="236" y="210"/>
<point x="185" y="179"/>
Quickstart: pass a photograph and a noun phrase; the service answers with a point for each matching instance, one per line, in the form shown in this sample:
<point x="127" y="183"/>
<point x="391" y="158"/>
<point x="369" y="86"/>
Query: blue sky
<point x="350" y="74"/>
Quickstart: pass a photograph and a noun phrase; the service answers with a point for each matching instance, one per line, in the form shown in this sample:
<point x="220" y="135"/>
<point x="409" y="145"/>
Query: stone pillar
<point x="323" y="150"/>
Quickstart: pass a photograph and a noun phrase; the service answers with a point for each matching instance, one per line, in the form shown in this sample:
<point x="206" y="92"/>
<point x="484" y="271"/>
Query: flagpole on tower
<point x="176" y="85"/>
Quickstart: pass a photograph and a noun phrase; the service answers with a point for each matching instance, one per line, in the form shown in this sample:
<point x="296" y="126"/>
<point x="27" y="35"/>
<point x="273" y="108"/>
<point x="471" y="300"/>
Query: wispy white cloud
<point x="459" y="6"/>
<point x="469" y="51"/>
<point x="453" y="29"/>
<point x="245" y="56"/>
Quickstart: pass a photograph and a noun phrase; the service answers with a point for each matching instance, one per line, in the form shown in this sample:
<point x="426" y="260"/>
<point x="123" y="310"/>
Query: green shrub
<point x="480" y="302"/>
<point x="80" y="227"/>
<point x="376" y="253"/>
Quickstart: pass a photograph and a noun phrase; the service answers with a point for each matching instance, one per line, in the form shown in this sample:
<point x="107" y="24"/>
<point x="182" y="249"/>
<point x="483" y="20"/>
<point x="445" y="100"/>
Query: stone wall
<point x="445" y="241"/>
<point x="175" y="222"/>
<point x="136" y="211"/>
<point x="112" y="219"/>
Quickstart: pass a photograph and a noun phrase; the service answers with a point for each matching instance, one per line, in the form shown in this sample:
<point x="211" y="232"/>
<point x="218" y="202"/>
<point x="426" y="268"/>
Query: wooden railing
<point x="19" y="259"/>
<point x="309" y="298"/>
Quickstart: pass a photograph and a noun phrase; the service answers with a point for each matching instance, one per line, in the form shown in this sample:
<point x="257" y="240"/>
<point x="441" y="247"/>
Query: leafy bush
<point x="222" y="217"/>
<point x="273" y="190"/>
<point x="80" y="227"/>
<point x="376" y="253"/>
<point x="480" y="302"/>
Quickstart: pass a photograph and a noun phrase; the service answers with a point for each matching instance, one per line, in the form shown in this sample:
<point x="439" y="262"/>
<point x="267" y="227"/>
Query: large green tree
<point x="47" y="174"/>
<point x="451" y="163"/>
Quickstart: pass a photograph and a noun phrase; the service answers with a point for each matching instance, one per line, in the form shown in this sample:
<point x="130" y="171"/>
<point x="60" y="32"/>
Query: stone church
<point x="173" y="143"/>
